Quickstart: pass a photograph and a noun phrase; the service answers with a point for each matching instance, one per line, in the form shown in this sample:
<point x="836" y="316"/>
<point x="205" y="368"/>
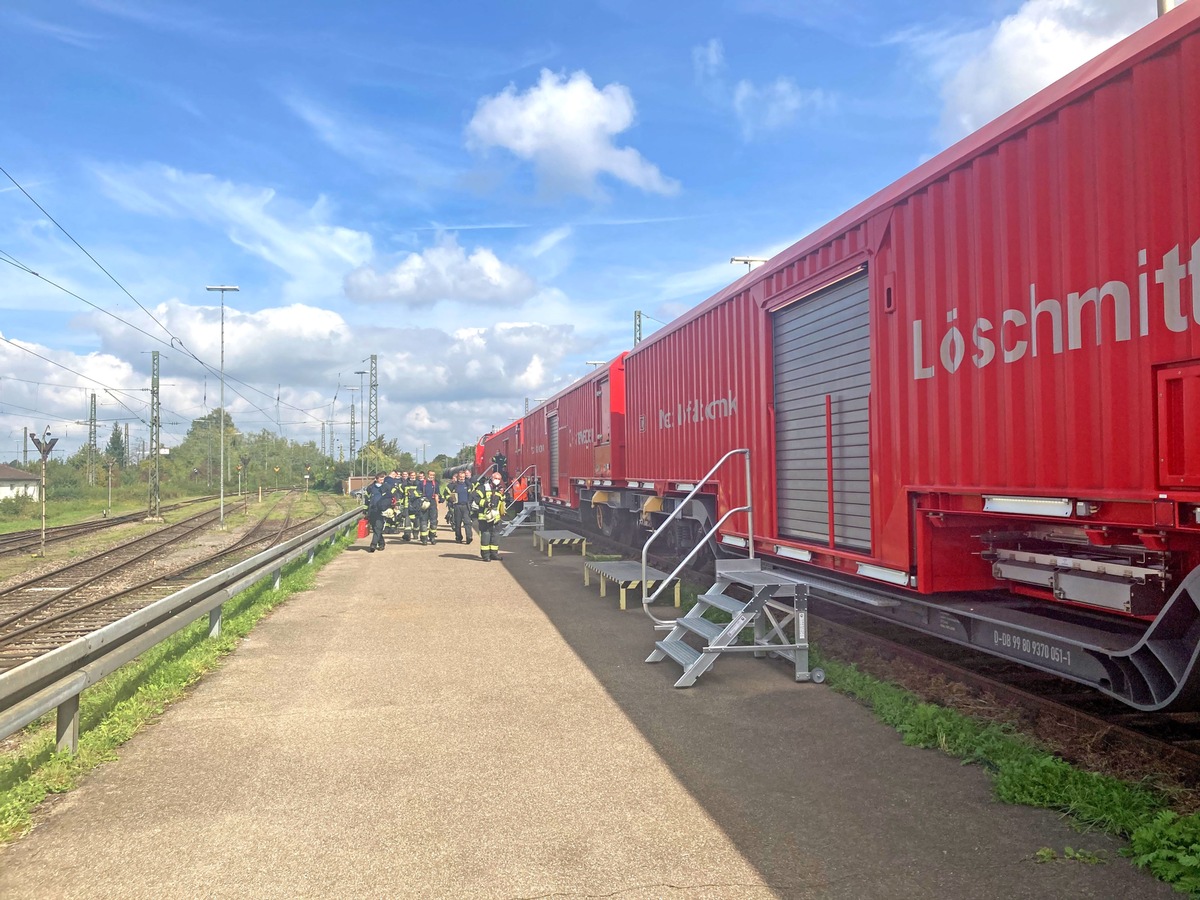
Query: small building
<point x="356" y="483"/>
<point x="17" y="482"/>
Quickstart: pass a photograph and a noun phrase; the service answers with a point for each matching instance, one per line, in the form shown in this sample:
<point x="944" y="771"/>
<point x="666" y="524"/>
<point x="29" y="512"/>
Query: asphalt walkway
<point x="423" y="724"/>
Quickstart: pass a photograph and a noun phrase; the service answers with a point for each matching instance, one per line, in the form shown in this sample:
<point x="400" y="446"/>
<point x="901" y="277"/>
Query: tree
<point x="115" y="449"/>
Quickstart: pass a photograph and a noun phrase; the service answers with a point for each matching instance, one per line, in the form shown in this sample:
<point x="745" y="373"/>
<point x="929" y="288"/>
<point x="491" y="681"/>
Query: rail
<point x="647" y="599"/>
<point x="55" y="680"/>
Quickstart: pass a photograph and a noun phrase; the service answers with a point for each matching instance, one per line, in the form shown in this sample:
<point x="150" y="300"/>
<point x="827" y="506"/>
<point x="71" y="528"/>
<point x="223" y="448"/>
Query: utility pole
<point x="373" y="409"/>
<point x="92" y="442"/>
<point x="154" y="514"/>
<point x="352" y="435"/>
<point x="362" y="399"/>
<point x="25" y="446"/>
<point x="44" y="446"/>
<point x="128" y="450"/>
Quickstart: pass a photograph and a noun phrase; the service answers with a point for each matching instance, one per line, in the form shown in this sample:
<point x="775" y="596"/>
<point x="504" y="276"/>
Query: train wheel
<point x="604" y="520"/>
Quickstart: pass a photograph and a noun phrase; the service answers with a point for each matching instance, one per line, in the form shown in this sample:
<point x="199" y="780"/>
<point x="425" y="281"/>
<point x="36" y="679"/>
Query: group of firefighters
<point x="406" y="503"/>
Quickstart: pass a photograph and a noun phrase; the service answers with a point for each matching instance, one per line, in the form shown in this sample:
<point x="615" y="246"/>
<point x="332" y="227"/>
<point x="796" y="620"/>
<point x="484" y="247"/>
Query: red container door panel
<point x="1179" y="426"/>
<point x="822" y="348"/>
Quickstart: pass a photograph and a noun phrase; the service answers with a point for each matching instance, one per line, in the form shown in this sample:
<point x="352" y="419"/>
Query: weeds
<point x="1161" y="841"/>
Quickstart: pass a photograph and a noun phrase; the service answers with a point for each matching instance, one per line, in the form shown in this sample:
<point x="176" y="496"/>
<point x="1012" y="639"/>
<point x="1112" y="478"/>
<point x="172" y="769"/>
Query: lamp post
<point x="748" y="261"/>
<point x="362" y="420"/>
<point x="222" y="288"/>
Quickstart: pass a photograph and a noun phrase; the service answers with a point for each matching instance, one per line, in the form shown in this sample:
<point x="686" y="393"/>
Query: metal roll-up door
<point x="552" y="437"/>
<point x="822" y="347"/>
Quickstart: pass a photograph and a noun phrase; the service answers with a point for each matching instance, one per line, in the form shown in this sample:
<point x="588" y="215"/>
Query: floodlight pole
<point x="222" y="288"/>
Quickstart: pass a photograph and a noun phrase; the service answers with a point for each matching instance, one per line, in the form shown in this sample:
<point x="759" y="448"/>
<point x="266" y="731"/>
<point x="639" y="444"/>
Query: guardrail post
<point x="68" y="725"/>
<point x="214" y="621"/>
<point x="277" y="578"/>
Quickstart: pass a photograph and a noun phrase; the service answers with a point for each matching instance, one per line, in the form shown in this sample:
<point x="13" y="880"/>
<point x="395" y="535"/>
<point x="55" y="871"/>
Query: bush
<point x="18" y="507"/>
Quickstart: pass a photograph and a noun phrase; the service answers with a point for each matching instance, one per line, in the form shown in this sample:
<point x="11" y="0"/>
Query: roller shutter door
<point x="822" y="347"/>
<point x="552" y="438"/>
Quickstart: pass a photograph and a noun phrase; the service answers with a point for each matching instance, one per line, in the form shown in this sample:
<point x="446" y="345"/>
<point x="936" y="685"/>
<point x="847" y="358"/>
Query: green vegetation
<point x="113" y="711"/>
<point x="79" y="487"/>
<point x="1166" y="844"/>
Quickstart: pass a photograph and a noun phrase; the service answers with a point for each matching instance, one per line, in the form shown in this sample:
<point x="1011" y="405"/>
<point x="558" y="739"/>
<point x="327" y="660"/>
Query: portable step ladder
<point x="531" y="508"/>
<point x="773" y="605"/>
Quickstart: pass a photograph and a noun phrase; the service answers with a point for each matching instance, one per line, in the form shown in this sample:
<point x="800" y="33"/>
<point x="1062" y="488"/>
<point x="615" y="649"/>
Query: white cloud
<point x="444" y="272"/>
<point x="987" y="72"/>
<point x="76" y="38"/>
<point x="434" y="385"/>
<point x="299" y="241"/>
<point x="566" y="127"/>
<point x="549" y="241"/>
<point x="708" y="60"/>
<point x="771" y="108"/>
<point x="373" y="148"/>
<point x="759" y="109"/>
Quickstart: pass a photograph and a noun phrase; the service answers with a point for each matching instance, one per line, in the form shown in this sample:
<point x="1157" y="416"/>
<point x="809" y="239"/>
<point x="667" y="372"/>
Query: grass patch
<point x="114" y="710"/>
<point x="1166" y="844"/>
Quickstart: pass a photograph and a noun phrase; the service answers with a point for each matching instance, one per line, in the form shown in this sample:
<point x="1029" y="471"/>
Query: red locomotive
<point x="971" y="403"/>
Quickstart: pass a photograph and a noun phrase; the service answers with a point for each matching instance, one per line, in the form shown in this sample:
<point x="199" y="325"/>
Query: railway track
<point x="1079" y="723"/>
<point x="54" y="608"/>
<point x="30" y="539"/>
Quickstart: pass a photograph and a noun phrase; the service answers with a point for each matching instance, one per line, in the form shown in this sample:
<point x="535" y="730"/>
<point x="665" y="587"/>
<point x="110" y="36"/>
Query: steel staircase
<point x="772" y="606"/>
<point x="531" y="508"/>
<point x="533" y="505"/>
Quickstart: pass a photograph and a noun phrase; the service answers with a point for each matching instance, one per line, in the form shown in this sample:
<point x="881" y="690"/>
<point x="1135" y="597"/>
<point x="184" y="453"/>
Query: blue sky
<point x="480" y="193"/>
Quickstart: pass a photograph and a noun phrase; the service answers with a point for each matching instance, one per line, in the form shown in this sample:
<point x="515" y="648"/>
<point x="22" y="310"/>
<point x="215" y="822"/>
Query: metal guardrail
<point x="56" y="679"/>
<point x="647" y="599"/>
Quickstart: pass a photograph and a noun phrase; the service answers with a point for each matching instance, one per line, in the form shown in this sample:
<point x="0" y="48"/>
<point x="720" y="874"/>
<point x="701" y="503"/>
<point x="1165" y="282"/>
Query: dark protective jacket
<point x="377" y="499"/>
<point x="488" y="499"/>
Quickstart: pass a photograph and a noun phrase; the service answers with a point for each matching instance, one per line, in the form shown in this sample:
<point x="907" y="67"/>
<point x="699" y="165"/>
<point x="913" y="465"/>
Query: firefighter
<point x="391" y="486"/>
<point x="488" y="505"/>
<point x="446" y="496"/>
<point x="378" y="500"/>
<point x="431" y="494"/>
<point x="406" y="504"/>
<point x="459" y="504"/>
<point x="500" y="464"/>
<point x="418" y="507"/>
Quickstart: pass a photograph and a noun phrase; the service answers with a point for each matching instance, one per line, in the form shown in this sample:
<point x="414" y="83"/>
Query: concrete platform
<point x="424" y="724"/>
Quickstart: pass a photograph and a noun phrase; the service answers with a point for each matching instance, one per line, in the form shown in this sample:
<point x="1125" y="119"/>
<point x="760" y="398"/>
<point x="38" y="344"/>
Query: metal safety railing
<point x="54" y="680"/>
<point x="648" y="598"/>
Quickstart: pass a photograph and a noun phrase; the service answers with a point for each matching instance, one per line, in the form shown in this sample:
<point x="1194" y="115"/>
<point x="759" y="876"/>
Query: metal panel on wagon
<point x="822" y="348"/>
<point x="697" y="391"/>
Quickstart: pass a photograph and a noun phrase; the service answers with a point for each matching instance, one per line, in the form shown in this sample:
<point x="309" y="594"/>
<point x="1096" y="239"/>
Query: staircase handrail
<point x="647" y="599"/>
<point x="521" y="474"/>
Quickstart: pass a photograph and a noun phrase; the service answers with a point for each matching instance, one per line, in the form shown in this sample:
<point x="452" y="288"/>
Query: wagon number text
<point x="1030" y="647"/>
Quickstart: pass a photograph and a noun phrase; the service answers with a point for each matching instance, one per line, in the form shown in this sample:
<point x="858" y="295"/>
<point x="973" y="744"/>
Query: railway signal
<point x="44" y="446"/>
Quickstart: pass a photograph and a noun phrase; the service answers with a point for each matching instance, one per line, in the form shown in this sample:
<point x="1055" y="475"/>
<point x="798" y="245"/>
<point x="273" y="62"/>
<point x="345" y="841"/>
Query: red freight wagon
<point x="507" y="443"/>
<point x="984" y="378"/>
<point x="576" y="439"/>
